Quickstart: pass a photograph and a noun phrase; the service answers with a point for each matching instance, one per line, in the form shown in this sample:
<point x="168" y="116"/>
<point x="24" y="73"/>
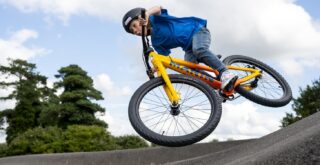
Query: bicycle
<point x="181" y="109"/>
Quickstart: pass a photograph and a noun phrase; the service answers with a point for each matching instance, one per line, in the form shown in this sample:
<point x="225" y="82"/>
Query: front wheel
<point x="157" y="120"/>
<point x="270" y="89"/>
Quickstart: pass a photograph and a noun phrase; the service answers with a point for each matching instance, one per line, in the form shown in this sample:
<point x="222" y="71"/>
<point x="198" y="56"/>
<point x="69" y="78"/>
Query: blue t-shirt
<point x="171" y="32"/>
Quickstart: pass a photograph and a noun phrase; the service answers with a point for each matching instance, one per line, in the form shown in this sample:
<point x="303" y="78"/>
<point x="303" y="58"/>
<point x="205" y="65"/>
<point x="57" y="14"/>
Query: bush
<point x="88" y="138"/>
<point x="3" y="149"/>
<point x="75" y="138"/>
<point x="37" y="140"/>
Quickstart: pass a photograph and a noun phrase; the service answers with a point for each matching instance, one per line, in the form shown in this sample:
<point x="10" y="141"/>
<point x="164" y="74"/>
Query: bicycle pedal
<point x="225" y="97"/>
<point x="231" y="84"/>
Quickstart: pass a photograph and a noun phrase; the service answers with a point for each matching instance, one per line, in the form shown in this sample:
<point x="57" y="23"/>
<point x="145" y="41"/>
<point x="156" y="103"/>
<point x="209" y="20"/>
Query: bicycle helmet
<point x="130" y="16"/>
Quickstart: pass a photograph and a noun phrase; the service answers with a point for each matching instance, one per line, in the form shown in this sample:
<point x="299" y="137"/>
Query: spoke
<point x="159" y="121"/>
<point x="150" y="109"/>
<point x="270" y="93"/>
<point x="170" y="125"/>
<point x="189" y="121"/>
<point x="153" y="101"/>
<point x="186" y="94"/>
<point x="164" y="124"/>
<point x="205" y="112"/>
<point x="163" y="96"/>
<point x="183" y="130"/>
<point x="196" y="119"/>
<point x="196" y="109"/>
<point x="158" y="105"/>
<point x="198" y="104"/>
<point x="158" y="97"/>
<point x="176" y="125"/>
<point x="265" y="95"/>
<point x="195" y="96"/>
<point x="155" y="111"/>
<point x="274" y="89"/>
<point x="155" y="116"/>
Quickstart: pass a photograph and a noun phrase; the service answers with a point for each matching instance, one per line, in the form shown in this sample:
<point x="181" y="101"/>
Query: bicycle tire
<point x="174" y="141"/>
<point x="283" y="100"/>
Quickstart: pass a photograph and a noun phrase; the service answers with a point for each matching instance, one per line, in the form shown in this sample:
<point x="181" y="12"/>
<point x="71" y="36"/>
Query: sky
<point x="52" y="34"/>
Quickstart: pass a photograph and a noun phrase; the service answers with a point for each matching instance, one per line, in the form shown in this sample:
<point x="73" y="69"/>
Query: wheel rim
<point x="156" y="112"/>
<point x="265" y="86"/>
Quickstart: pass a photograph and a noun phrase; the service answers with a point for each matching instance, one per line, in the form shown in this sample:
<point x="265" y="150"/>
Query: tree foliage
<point x="76" y="101"/>
<point x="29" y="91"/>
<point x="3" y="149"/>
<point x="43" y="122"/>
<point x="306" y="104"/>
<point x="75" y="138"/>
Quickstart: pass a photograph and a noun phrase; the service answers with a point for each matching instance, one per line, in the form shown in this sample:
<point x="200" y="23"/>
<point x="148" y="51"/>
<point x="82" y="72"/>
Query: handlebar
<point x="143" y="16"/>
<point x="146" y="47"/>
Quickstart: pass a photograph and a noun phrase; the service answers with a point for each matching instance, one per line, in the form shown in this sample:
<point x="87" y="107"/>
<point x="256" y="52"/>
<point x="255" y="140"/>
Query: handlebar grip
<point x="143" y="13"/>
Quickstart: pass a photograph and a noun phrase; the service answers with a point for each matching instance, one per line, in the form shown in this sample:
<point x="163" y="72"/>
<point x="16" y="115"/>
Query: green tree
<point x="306" y="104"/>
<point x="29" y="91"/>
<point x="76" y="106"/>
<point x="131" y="141"/>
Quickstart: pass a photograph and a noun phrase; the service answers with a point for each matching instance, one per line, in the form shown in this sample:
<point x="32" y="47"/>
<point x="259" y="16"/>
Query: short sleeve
<point x="164" y="12"/>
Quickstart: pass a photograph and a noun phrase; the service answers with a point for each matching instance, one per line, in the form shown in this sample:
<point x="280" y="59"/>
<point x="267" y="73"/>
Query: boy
<point x="168" y="32"/>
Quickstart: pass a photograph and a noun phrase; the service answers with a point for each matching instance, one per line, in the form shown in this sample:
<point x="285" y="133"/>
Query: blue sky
<point x="89" y="33"/>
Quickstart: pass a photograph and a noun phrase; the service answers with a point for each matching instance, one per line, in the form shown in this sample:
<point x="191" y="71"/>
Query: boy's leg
<point x="200" y="48"/>
<point x="189" y="56"/>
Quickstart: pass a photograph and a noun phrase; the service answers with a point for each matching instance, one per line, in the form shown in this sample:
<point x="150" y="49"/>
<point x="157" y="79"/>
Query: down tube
<point x="190" y="72"/>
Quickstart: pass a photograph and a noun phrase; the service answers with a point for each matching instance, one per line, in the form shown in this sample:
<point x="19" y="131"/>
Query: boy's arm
<point x="155" y="10"/>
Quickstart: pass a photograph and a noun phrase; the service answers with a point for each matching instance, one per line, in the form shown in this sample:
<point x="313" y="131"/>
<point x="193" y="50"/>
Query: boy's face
<point x="136" y="28"/>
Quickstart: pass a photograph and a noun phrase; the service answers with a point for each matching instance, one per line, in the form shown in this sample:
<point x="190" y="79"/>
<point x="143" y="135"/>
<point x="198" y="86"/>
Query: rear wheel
<point x="157" y="120"/>
<point x="270" y="89"/>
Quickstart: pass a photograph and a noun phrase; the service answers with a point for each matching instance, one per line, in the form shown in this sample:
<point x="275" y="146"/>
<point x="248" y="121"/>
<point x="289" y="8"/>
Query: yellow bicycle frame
<point x="161" y="62"/>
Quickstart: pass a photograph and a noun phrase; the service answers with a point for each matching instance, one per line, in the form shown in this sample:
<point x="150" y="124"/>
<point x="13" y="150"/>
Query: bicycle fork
<point x="172" y="94"/>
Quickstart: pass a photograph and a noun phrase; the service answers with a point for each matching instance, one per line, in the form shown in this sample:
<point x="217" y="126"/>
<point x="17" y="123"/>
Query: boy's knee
<point x="200" y="50"/>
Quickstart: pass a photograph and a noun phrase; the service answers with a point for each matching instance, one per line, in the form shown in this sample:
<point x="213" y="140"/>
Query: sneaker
<point x="227" y="80"/>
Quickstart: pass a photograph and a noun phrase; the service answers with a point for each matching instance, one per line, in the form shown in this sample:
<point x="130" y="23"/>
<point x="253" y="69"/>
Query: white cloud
<point x="118" y="124"/>
<point x="15" y="47"/>
<point x="292" y="67"/>
<point x="263" y="29"/>
<point x="245" y="121"/>
<point x="2" y="136"/>
<point x="6" y="104"/>
<point x="23" y="35"/>
<point x="104" y="83"/>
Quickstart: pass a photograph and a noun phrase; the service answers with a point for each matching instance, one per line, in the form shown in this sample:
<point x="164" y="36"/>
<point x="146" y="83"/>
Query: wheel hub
<point x="175" y="110"/>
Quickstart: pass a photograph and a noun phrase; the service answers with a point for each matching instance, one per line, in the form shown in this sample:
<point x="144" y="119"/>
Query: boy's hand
<point x="144" y="21"/>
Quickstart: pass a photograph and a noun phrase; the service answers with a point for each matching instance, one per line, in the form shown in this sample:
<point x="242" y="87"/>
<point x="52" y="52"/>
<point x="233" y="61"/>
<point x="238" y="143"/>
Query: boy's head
<point x="131" y="17"/>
